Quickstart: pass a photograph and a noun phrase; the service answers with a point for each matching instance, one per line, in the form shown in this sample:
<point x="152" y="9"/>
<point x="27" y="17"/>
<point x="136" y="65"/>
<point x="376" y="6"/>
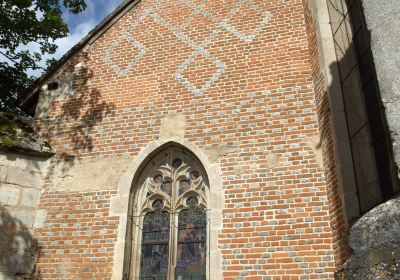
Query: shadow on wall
<point x="365" y="158"/>
<point x="18" y="249"/>
<point x="361" y="123"/>
<point x="360" y="117"/>
<point x="84" y="110"/>
<point x="72" y="127"/>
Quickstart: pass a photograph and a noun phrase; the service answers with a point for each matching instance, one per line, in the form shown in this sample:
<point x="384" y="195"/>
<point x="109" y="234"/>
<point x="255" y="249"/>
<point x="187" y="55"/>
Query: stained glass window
<point x="184" y="185"/>
<point x="174" y="223"/>
<point x="155" y="244"/>
<point x="192" y="232"/>
<point x="166" y="187"/>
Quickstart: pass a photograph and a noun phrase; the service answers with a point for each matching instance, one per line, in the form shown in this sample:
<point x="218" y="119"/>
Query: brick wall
<point x="78" y="238"/>
<point x="240" y="73"/>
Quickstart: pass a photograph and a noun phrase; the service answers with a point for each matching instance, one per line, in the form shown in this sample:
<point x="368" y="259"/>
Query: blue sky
<point x="96" y="11"/>
<point x="79" y="26"/>
<point x="82" y="23"/>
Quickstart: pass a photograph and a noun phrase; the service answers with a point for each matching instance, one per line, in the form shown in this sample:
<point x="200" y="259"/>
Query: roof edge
<point x="90" y="38"/>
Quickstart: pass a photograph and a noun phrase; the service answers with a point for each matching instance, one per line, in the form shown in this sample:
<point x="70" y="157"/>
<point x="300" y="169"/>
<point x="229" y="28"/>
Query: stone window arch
<point x="167" y="235"/>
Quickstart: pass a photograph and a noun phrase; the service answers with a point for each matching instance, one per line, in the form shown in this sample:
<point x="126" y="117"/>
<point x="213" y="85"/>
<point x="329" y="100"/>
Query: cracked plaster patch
<point x="214" y="153"/>
<point x="315" y="144"/>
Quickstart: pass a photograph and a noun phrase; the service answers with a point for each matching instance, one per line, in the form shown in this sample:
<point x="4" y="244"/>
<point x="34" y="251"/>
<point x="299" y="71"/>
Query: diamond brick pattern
<point x="137" y="47"/>
<point x="198" y="8"/>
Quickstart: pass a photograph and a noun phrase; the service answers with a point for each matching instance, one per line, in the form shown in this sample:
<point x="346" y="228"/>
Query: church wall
<point x="241" y="90"/>
<point x="21" y="179"/>
<point x="78" y="238"/>
<point x="316" y="15"/>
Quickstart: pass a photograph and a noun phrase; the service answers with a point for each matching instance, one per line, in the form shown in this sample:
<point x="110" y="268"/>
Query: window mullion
<point x="173" y="247"/>
<point x="173" y="233"/>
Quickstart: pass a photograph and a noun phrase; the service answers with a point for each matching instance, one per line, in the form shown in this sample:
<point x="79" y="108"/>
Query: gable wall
<point x="241" y="90"/>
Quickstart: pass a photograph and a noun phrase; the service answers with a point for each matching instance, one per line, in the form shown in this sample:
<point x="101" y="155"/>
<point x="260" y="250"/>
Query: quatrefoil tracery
<point x="174" y="186"/>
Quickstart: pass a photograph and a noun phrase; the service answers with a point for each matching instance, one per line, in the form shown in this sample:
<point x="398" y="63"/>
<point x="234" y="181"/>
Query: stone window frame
<point x="127" y="187"/>
<point x="141" y="204"/>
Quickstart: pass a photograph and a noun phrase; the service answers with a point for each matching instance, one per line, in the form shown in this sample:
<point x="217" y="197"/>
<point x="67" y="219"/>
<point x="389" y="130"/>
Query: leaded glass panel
<point x="155" y="247"/>
<point x="184" y="185"/>
<point x="191" y="257"/>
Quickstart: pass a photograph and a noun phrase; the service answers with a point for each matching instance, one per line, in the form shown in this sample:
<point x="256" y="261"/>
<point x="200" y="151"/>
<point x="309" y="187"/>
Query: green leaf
<point x="20" y="26"/>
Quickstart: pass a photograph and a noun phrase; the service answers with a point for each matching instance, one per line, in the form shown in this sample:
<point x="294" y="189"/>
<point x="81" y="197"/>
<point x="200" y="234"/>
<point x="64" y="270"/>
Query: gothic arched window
<point x="167" y="232"/>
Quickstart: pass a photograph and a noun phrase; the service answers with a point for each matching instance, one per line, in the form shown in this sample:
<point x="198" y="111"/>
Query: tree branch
<point x="9" y="57"/>
<point x="18" y="63"/>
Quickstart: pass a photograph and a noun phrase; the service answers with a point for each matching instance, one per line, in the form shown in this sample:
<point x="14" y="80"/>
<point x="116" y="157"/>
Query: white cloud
<point x="89" y="19"/>
<point x="80" y="26"/>
<point x="64" y="44"/>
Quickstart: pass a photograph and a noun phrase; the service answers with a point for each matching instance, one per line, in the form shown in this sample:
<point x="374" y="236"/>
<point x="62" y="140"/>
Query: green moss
<point x="11" y="132"/>
<point x="17" y="132"/>
<point x="5" y="127"/>
<point x="8" y="137"/>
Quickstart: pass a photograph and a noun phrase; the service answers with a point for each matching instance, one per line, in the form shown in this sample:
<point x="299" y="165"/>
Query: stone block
<point x="119" y="205"/>
<point x="2" y="174"/>
<point x="30" y="197"/>
<point x="40" y="218"/>
<point x="39" y="164"/>
<point x="379" y="228"/>
<point x="89" y="174"/>
<point x="375" y="243"/>
<point x="24" y="161"/>
<point x="273" y="160"/>
<point x="378" y="12"/>
<point x="22" y="177"/>
<point x="13" y="160"/>
<point x="9" y="195"/>
<point x="173" y="125"/>
<point x="16" y="244"/>
<point x="24" y="216"/>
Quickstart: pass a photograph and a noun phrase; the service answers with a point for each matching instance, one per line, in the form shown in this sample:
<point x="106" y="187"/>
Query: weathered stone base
<point x="384" y="271"/>
<point x="375" y="242"/>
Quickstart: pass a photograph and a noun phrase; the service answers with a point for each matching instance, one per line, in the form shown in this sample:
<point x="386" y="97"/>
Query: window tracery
<point x="169" y="221"/>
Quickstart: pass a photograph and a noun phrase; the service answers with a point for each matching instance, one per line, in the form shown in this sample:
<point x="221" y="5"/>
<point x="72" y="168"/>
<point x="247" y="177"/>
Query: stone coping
<point x="17" y="134"/>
